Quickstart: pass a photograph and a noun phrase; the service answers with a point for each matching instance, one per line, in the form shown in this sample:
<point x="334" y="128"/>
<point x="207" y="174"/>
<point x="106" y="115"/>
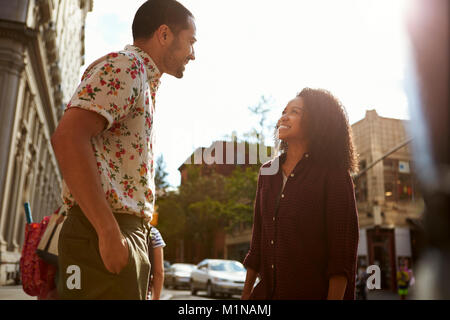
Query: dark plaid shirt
<point x="304" y="234"/>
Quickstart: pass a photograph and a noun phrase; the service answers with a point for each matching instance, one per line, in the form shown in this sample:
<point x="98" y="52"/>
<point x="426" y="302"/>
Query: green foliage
<point x="263" y="129"/>
<point x="205" y="204"/>
<point x="207" y="201"/>
<point x="161" y="174"/>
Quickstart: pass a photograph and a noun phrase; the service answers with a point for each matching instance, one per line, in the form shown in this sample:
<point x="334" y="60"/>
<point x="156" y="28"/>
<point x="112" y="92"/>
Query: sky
<point x="354" y="48"/>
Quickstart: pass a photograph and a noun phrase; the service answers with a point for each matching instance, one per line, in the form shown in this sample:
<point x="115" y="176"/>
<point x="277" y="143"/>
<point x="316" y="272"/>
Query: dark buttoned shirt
<point x="305" y="233"/>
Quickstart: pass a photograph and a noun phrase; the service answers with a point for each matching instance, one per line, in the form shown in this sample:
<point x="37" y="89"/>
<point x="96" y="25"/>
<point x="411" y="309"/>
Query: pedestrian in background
<point x="305" y="227"/>
<point x="405" y="279"/>
<point x="156" y="255"/>
<point x="361" y="283"/>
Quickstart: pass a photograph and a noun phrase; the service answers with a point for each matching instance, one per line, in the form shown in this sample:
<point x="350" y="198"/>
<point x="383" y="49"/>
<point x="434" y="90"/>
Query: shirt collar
<point x="153" y="74"/>
<point x="304" y="159"/>
<point x="282" y="157"/>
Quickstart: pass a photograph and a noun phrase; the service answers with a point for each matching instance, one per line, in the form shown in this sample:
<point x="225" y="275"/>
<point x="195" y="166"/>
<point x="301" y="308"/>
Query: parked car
<point x="218" y="276"/>
<point x="178" y="275"/>
<point x="166" y="267"/>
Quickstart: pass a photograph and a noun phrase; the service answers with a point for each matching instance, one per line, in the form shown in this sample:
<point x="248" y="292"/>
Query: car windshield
<point x="183" y="267"/>
<point x="229" y="266"/>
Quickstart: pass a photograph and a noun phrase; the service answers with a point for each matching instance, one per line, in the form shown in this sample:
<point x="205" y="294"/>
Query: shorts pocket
<point x="129" y="261"/>
<point x="75" y="250"/>
<point x="130" y="256"/>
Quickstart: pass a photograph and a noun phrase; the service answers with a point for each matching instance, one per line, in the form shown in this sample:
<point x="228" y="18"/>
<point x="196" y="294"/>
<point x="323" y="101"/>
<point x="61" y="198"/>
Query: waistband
<point x="123" y="219"/>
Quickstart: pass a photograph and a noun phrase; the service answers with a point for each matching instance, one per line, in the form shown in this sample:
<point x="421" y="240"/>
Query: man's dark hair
<point x="154" y="13"/>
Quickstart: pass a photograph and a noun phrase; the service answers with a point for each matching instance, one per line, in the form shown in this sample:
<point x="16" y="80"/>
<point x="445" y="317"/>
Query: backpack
<point x="38" y="277"/>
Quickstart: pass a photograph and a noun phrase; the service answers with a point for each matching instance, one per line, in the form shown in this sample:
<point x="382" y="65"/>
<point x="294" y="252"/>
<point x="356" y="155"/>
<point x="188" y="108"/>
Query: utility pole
<point x="387" y="154"/>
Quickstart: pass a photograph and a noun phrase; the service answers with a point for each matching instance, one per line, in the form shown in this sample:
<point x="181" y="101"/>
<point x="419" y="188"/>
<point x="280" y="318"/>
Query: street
<point x="16" y="293"/>
<point x="170" y="294"/>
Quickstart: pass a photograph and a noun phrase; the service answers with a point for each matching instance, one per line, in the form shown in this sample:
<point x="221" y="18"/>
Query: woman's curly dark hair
<point x="328" y="132"/>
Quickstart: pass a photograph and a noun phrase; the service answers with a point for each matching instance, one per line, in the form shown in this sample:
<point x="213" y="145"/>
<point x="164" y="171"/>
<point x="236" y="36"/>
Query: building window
<point x="399" y="181"/>
<point x="405" y="187"/>
<point x="361" y="184"/>
<point x="389" y="191"/>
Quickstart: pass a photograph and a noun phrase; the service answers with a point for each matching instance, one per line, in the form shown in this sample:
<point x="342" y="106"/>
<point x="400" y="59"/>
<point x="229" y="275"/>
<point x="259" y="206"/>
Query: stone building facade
<point x="41" y="52"/>
<point x="387" y="194"/>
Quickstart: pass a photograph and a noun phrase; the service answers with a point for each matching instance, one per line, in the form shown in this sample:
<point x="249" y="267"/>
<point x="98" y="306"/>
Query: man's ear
<point x="164" y="35"/>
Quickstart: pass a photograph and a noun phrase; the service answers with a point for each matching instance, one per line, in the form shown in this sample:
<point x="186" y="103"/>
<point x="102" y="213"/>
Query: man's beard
<point x="172" y="62"/>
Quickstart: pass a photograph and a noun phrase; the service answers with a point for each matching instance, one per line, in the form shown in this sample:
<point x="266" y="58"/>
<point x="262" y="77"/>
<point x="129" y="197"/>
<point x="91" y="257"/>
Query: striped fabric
<point x="157" y="240"/>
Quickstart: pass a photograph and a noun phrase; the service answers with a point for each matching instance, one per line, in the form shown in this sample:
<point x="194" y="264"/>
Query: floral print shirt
<point x="121" y="86"/>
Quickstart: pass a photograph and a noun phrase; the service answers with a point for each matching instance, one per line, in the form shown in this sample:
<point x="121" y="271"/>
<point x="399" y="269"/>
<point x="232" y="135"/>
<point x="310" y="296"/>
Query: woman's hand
<point x="336" y="287"/>
<point x="250" y="279"/>
<point x="245" y="295"/>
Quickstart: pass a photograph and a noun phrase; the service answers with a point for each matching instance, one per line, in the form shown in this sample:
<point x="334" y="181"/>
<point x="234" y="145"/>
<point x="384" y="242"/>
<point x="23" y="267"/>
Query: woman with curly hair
<point x="305" y="228"/>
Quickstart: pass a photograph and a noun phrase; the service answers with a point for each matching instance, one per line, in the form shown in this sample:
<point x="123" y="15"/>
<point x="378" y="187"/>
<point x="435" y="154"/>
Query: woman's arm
<point x="158" y="272"/>
<point x="252" y="260"/>
<point x="342" y="233"/>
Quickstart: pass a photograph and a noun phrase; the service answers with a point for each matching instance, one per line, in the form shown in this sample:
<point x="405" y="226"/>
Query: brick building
<point x="222" y="157"/>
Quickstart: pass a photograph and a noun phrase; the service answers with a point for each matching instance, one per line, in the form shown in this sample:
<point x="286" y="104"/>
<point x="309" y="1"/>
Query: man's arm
<point x="73" y="149"/>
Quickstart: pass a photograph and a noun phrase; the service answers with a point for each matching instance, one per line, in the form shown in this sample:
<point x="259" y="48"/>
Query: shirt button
<point x="292" y="174"/>
<point x="282" y="195"/>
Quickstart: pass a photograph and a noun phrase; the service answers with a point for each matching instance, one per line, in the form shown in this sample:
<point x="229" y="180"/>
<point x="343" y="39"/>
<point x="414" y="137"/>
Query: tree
<point x="161" y="183"/>
<point x="207" y="202"/>
<point x="260" y="110"/>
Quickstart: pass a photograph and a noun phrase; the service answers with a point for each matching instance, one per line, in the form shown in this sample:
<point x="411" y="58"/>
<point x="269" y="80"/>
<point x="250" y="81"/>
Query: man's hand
<point x="114" y="251"/>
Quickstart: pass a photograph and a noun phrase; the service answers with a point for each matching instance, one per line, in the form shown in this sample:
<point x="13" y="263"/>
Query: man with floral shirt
<point x="104" y="147"/>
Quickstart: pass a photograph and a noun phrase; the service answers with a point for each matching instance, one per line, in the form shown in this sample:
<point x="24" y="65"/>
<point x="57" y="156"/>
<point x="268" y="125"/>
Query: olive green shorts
<point x="81" y="272"/>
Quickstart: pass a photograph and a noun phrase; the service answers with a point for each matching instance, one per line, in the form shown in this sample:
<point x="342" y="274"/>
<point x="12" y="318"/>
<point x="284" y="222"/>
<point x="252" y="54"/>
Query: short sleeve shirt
<point x="157" y="239"/>
<point x="121" y="86"/>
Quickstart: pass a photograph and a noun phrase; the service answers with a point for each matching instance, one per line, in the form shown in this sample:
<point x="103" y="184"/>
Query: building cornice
<point x="30" y="39"/>
<point x="16" y="31"/>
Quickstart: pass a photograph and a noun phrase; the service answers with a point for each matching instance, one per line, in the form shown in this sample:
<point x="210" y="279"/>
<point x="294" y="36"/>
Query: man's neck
<point x="153" y="51"/>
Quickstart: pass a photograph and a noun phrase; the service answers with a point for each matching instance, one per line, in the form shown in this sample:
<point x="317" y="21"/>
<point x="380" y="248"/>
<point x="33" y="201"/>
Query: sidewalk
<point x="17" y="293"/>
<point x="388" y="295"/>
<point x="14" y="293"/>
<point x="381" y="295"/>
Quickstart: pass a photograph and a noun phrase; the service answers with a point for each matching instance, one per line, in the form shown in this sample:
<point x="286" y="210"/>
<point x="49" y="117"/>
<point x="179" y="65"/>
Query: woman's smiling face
<point x="289" y="125"/>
